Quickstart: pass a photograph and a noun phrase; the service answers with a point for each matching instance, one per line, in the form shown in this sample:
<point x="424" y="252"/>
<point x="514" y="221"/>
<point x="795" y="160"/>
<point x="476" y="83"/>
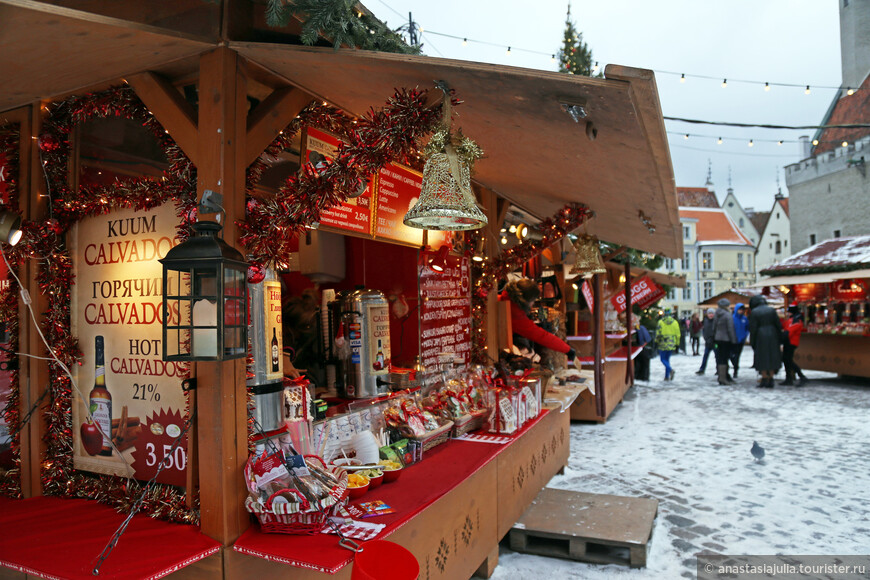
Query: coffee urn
<point x="365" y="318"/>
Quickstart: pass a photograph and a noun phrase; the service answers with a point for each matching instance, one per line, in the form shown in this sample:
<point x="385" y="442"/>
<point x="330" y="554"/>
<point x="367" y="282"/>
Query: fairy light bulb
<point x="845" y="143"/>
<point x="509" y="51"/>
<point x="779" y="142"/>
<point x="815" y="142"/>
<point x="850" y="91"/>
<point x="464" y="42"/>
<point x="807" y="91"/>
<point x="683" y="78"/>
<point x="719" y="141"/>
<point x="767" y="87"/>
<point x="724" y="83"/>
<point x="751" y="143"/>
<point x="552" y="58"/>
<point x="595" y="68"/>
<point x="686" y="136"/>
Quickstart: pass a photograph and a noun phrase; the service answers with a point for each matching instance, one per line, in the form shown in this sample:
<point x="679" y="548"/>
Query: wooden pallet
<point x="602" y="529"/>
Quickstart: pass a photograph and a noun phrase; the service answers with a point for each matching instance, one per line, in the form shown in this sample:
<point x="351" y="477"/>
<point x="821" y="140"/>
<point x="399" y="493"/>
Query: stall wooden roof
<point x="537" y="157"/>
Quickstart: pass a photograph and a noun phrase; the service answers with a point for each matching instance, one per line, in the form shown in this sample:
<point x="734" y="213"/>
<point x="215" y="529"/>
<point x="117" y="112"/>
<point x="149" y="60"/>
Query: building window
<point x="687" y="291"/>
<point x="669" y="264"/>
<point x="706" y="260"/>
<point x="771" y="245"/>
<point x="687" y="232"/>
<point x="672" y="294"/>
<point x="740" y="262"/>
<point x="778" y="247"/>
<point x="708" y="290"/>
<point x="687" y="261"/>
<point x="749" y="262"/>
<point x="812" y="239"/>
<point x="785" y="243"/>
<point x="741" y="222"/>
<point x="777" y="215"/>
<point x="836" y="233"/>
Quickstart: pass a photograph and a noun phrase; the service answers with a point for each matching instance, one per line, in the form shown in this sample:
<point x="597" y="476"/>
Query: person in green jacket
<point x="667" y="339"/>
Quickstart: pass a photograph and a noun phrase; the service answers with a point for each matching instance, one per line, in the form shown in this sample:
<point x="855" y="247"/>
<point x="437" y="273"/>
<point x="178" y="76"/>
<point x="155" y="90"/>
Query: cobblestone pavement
<point x="687" y="443"/>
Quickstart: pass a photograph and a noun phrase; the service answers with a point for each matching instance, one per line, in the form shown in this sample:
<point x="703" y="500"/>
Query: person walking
<point x="667" y="340"/>
<point x="741" y="330"/>
<point x="764" y="337"/>
<point x="641" y="362"/>
<point x="684" y="330"/>
<point x="695" y="328"/>
<point x="793" y="324"/>
<point x="724" y="338"/>
<point x="707" y="333"/>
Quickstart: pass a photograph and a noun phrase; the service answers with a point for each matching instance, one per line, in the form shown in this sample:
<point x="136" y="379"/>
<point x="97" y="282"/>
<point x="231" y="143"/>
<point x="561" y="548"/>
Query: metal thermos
<point x="365" y="317"/>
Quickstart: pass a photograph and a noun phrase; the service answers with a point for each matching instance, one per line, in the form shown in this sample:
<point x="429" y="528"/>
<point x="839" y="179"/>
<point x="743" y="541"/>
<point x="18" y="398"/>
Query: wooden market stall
<point x="217" y="88"/>
<point x="830" y="283"/>
<point x="613" y="366"/>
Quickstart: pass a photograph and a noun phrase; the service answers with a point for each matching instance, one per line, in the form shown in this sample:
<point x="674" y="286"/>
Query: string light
<point x="719" y="141"/>
<point x="779" y="142"/>
<point x="850" y="91"/>
<point x="509" y="51"/>
<point x="845" y="143"/>
<point x="686" y="136"/>
<point x="767" y="87"/>
<point x="683" y="78"/>
<point x="815" y="142"/>
<point x="553" y="58"/>
<point x="807" y="91"/>
<point x="751" y="143"/>
<point x="595" y="68"/>
<point x="464" y="41"/>
<point x="724" y="83"/>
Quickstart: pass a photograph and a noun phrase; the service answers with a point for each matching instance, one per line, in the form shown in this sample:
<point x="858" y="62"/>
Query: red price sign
<point x="156" y="446"/>
<point x="353" y="214"/>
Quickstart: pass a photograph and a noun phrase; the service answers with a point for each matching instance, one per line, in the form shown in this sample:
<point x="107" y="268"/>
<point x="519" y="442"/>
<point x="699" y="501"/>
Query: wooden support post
<point x="495" y="210"/>
<point x="221" y="390"/>
<point x="33" y="377"/>
<point x="598" y="348"/>
<point x="629" y="367"/>
<point x="173" y="112"/>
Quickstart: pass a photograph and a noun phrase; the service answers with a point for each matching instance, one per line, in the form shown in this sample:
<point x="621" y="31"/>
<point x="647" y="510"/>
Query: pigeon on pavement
<point x="757" y="451"/>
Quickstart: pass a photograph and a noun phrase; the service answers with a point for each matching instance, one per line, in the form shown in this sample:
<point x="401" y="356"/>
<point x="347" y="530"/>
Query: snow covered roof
<point x="835" y="255"/>
<point x="715" y="227"/>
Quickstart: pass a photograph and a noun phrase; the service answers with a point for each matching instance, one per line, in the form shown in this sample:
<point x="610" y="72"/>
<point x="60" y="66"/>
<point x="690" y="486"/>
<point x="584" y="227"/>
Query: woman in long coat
<point x="765" y="335"/>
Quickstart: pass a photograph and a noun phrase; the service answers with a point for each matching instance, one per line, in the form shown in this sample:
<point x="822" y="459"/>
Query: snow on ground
<point x="686" y="443"/>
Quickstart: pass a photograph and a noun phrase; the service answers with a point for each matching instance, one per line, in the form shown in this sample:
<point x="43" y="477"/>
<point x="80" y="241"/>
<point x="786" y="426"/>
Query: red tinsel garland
<point x="46" y="240"/>
<point x="10" y="480"/>
<point x="486" y="274"/>
<point x="380" y="137"/>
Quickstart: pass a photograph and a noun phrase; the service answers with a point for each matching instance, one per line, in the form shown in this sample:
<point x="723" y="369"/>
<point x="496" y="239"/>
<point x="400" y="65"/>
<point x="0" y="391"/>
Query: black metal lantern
<point x="204" y="299"/>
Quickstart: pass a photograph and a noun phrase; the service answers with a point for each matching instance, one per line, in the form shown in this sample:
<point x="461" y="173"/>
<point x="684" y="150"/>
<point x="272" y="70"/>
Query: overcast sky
<point x="775" y="41"/>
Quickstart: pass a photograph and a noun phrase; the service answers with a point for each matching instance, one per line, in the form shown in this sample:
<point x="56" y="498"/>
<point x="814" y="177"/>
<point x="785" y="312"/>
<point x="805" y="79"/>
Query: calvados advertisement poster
<point x="135" y="399"/>
<point x="445" y="312"/>
<point x="355" y="213"/>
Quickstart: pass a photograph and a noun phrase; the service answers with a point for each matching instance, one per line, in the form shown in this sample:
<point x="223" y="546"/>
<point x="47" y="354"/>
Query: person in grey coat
<point x="709" y="343"/>
<point x="764" y="336"/>
<point x="724" y="337"/>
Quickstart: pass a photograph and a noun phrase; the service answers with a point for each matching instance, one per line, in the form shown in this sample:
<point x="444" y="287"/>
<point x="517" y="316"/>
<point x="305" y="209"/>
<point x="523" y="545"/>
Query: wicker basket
<point x="299" y="517"/>
<point x="468" y="423"/>
<point x="435" y="437"/>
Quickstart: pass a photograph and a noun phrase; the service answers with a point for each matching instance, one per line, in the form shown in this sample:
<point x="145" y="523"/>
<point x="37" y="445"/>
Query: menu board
<point x="133" y="395"/>
<point x="398" y="189"/>
<point x="445" y="311"/>
<point x="353" y="214"/>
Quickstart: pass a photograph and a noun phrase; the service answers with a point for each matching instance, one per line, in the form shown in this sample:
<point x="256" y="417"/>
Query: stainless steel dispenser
<point x="266" y="372"/>
<point x="365" y="316"/>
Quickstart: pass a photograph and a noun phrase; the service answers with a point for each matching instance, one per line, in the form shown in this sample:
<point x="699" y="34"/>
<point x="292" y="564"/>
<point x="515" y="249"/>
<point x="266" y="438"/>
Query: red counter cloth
<point x="442" y="469"/>
<point x="51" y="537"/>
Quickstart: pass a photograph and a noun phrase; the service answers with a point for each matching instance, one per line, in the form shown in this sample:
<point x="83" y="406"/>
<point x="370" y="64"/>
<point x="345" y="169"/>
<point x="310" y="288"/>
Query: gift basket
<point x="295" y="494"/>
<point x="403" y="414"/>
<point x="458" y="400"/>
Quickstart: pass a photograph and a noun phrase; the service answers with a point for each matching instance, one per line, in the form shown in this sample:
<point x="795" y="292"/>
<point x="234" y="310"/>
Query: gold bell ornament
<point x="588" y="260"/>
<point x="446" y="201"/>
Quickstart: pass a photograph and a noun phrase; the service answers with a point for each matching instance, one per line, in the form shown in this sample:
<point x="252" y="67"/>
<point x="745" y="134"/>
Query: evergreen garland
<point x="341" y="22"/>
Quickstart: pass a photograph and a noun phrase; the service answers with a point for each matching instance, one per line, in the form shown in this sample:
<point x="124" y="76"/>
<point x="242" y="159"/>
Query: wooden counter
<point x="456" y="535"/>
<point x="615" y="387"/>
<point x="836" y="353"/>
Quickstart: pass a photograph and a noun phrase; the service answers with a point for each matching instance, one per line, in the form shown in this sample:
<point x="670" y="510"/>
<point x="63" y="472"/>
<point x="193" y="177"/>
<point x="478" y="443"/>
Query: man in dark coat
<point x="724" y="337"/>
<point x="764" y="335"/>
<point x="709" y="343"/>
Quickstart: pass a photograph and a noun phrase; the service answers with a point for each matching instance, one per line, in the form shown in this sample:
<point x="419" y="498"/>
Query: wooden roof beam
<point x="271" y="117"/>
<point x="171" y="109"/>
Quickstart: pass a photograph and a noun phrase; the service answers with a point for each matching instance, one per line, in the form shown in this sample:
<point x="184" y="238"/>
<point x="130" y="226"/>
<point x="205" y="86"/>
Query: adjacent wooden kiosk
<point x="251" y="82"/>
<point x="830" y="282"/>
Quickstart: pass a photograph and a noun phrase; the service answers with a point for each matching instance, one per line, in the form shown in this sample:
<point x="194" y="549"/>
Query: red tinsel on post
<point x="10" y="479"/>
<point x="486" y="274"/>
<point x="46" y="241"/>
